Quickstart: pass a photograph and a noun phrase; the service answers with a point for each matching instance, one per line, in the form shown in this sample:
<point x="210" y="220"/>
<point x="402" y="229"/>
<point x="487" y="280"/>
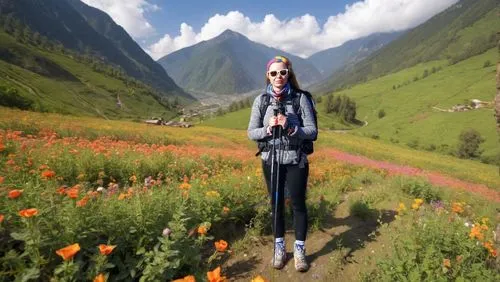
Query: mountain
<point x="330" y="60"/>
<point x="229" y="63"/>
<point x="465" y="29"/>
<point x="92" y="32"/>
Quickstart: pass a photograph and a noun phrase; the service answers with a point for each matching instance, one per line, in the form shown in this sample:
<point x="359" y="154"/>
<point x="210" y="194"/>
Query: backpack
<point x="307" y="145"/>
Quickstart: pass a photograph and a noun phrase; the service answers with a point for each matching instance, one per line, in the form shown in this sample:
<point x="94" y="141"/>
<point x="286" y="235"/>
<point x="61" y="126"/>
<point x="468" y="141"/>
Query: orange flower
<point x="259" y="278"/>
<point x="83" y="201"/>
<point x="28" y="212"/>
<point x="106" y="249"/>
<point x="72" y="193"/>
<point x="189" y="278"/>
<point x="457" y="208"/>
<point x="100" y="278"/>
<point x="133" y="178"/>
<point x="68" y="252"/>
<point x="475" y="232"/>
<point x="225" y="210"/>
<point x="13" y="194"/>
<point x="447" y="263"/>
<point x="61" y="190"/>
<point x="491" y="249"/>
<point x="2" y="179"/>
<point x="214" y="276"/>
<point x="47" y="174"/>
<point x="184" y="186"/>
<point x="202" y="230"/>
<point x="122" y="196"/>
<point x="221" y="246"/>
<point x="1" y="217"/>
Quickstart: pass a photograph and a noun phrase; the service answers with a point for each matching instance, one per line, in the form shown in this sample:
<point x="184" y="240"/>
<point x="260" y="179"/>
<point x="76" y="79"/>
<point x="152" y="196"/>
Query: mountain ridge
<point x="68" y="22"/>
<point x="448" y="35"/>
<point x="247" y="65"/>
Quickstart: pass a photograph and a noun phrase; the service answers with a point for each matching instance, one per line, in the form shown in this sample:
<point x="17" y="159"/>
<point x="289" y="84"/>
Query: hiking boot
<point x="279" y="259"/>
<point x="299" y="255"/>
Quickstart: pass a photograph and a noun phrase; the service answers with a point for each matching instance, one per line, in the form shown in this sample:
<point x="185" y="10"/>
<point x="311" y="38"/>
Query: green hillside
<point x="411" y="118"/>
<point x="86" y="31"/>
<point x="54" y="82"/>
<point x="408" y="98"/>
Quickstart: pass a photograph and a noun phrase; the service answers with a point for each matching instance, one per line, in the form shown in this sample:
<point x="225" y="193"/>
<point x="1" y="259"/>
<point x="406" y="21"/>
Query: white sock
<point x="300" y="243"/>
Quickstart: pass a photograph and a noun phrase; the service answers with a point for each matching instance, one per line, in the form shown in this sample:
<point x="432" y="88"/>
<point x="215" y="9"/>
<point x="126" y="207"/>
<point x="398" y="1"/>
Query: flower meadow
<point x="118" y="201"/>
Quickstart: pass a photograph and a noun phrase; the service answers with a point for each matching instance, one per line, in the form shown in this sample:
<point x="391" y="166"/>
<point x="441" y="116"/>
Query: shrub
<point x="487" y="64"/>
<point x="468" y="144"/>
<point x="381" y="113"/>
<point x="413" y="144"/>
<point x="430" y="147"/>
<point x="420" y="189"/>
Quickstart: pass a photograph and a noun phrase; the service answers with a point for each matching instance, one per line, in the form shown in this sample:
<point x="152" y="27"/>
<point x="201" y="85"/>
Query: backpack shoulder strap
<point x="264" y="103"/>
<point x="296" y="102"/>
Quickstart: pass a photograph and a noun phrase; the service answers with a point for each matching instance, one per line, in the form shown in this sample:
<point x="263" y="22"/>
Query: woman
<point x="291" y="166"/>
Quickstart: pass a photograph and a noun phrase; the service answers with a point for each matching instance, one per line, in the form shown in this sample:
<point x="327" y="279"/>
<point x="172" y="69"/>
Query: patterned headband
<point x="279" y="59"/>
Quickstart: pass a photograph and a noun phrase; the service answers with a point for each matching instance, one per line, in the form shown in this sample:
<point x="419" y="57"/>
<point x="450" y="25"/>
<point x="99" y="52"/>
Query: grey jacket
<point x="258" y="130"/>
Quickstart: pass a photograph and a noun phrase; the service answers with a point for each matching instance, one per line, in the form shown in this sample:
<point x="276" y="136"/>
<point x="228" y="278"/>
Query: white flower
<point x="166" y="232"/>
<point x="100" y="189"/>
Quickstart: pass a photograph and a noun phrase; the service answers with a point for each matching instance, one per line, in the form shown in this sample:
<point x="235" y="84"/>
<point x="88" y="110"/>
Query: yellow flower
<point x="417" y="203"/>
<point x="259" y="278"/>
<point x="212" y="194"/>
<point x="401" y="208"/>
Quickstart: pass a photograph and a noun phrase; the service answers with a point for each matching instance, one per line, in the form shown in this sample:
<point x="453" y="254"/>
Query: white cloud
<point x="303" y="35"/>
<point x="129" y="14"/>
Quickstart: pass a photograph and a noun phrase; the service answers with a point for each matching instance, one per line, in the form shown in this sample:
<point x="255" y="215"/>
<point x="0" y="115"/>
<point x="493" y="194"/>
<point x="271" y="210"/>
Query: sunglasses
<point x="282" y="72"/>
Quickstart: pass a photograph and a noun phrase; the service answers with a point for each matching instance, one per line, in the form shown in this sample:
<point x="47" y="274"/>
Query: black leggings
<point x="296" y="182"/>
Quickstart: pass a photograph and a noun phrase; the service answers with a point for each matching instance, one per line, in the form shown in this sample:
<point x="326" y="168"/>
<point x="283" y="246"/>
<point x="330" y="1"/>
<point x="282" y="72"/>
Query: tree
<point x="468" y="144"/>
<point x="329" y="104"/>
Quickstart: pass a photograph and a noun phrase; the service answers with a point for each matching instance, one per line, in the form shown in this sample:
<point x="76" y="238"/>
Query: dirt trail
<point x="433" y="177"/>
<point x="335" y="253"/>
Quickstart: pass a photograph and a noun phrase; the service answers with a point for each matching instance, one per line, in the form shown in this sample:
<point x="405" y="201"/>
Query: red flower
<point x="106" y="249"/>
<point x="47" y="174"/>
<point x="13" y="194"/>
<point x="28" y="212"/>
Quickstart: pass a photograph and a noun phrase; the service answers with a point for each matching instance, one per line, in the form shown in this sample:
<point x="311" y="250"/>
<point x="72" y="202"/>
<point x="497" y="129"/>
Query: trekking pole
<point x="274" y="189"/>
<point x="278" y="161"/>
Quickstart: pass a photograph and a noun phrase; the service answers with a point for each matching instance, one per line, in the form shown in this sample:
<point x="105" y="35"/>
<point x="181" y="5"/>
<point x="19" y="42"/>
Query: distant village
<point x="474" y="104"/>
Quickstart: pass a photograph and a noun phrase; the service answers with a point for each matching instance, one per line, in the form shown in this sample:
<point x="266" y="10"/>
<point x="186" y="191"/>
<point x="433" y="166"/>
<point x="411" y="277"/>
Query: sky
<point x="301" y="28"/>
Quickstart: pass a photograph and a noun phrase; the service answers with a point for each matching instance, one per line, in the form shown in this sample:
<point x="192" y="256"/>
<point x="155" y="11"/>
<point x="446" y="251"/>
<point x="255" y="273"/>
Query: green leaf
<point x="30" y="273"/>
<point x="19" y="236"/>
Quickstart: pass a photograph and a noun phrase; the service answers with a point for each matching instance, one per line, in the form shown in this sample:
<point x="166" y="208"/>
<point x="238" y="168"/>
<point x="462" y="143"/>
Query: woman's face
<point x="278" y="75"/>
